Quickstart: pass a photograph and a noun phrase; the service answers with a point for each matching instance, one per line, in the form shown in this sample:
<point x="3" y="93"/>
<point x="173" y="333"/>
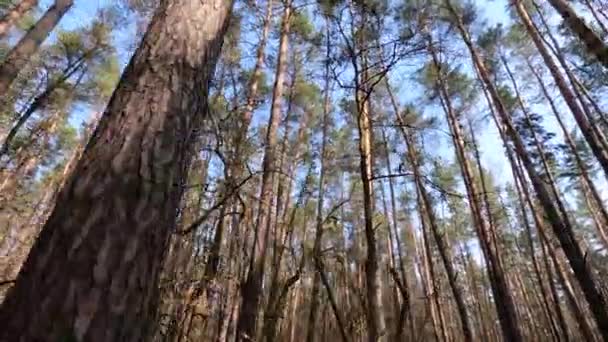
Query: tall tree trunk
<point x="594" y="138"/>
<point x="585" y="176"/>
<point x="92" y="273"/>
<point x="279" y="289"/>
<point x="503" y="298"/>
<point x="15" y="14"/>
<point x="561" y="272"/>
<point x="375" y="315"/>
<point x="22" y="53"/>
<point x="539" y="147"/>
<point x="236" y="162"/>
<point x="252" y="288"/>
<point x="578" y="89"/>
<point x="404" y="274"/>
<point x="391" y="259"/>
<point x="332" y="301"/>
<point x="427" y="208"/>
<point x="518" y="175"/>
<point x="318" y="240"/>
<point x="433" y="292"/>
<point x="592" y="41"/>
<point x="479" y="298"/>
<point x="565" y="234"/>
<point x="535" y="264"/>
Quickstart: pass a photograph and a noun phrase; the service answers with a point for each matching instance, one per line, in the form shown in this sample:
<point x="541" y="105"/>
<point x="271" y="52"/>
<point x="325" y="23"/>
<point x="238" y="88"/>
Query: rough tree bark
<point x="91" y="275"/>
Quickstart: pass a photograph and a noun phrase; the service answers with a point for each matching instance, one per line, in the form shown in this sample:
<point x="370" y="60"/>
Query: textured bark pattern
<point x="14" y="15"/>
<point x="91" y="276"/>
<point x="21" y="54"/>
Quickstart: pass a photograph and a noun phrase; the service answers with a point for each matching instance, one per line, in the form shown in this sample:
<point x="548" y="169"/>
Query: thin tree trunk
<point x="375" y="315"/>
<point x="14" y="15"/>
<point x="518" y="175"/>
<point x="578" y="312"/>
<point x="503" y="298"/>
<point x="236" y="161"/>
<point x="332" y="301"/>
<point x="22" y="53"/>
<point x="555" y="295"/>
<point x="252" y="288"/>
<point x="314" y="300"/>
<point x="42" y="100"/>
<point x="592" y="41"/>
<point x="586" y="178"/>
<point x="395" y="299"/>
<point x="535" y="264"/>
<point x="561" y="272"/>
<point x="404" y="274"/>
<point x="427" y="208"/>
<point x="279" y="290"/>
<point x="577" y="88"/>
<point x="594" y="138"/>
<point x="596" y="16"/>
<point x="92" y="273"/>
<point x="432" y="281"/>
<point x="427" y="283"/>
<point x="565" y="234"/>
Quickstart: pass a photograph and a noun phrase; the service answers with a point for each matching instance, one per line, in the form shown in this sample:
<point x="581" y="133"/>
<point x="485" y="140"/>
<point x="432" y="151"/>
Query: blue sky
<point x="493" y="12"/>
<point x="494" y="159"/>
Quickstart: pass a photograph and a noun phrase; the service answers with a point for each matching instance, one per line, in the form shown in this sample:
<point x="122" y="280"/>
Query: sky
<point x="492" y="11"/>
<point x="492" y="150"/>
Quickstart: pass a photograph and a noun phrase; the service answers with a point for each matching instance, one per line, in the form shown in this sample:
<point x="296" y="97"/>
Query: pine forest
<point x="295" y="170"/>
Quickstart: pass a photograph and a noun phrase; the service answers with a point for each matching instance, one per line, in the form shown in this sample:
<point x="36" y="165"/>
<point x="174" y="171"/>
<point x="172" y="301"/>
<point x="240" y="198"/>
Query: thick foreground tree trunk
<point x="91" y="275"/>
<point x="14" y="15"/>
